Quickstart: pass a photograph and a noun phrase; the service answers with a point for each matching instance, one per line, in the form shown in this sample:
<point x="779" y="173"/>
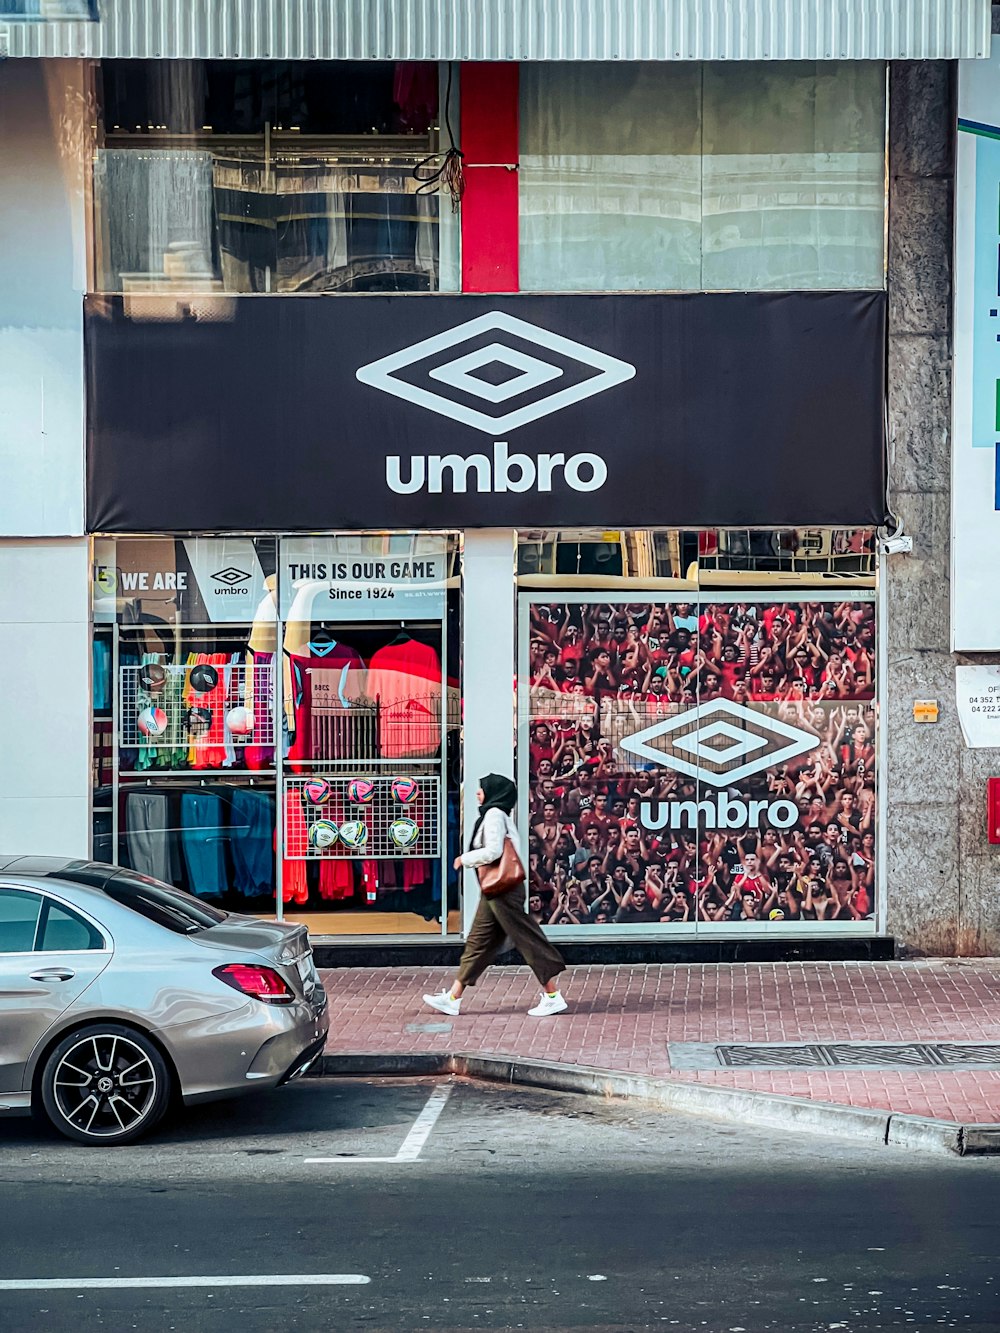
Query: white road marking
<point x="195" y="1280"/>
<point x="420" y="1132"/>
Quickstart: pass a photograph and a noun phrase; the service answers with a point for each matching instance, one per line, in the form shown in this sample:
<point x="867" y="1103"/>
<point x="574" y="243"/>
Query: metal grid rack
<point x="377" y="815"/>
<point x="337" y="729"/>
<point x="192" y="719"/>
<point x="367" y="730"/>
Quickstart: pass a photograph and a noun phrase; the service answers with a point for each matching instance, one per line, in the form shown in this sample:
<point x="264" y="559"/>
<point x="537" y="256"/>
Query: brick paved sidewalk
<point x="621" y="1018"/>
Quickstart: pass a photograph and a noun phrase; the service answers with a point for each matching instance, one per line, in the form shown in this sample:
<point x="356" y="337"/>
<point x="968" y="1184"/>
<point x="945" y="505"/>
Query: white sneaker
<point x="445" y="1003"/>
<point x="548" y="1004"/>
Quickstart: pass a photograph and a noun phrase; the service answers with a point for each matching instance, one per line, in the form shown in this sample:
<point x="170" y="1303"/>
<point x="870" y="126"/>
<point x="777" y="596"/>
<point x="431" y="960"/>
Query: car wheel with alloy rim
<point x="105" y="1084"/>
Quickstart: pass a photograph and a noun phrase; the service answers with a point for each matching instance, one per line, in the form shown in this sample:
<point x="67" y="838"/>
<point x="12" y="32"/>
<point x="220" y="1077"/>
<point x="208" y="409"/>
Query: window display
<point x="184" y="653"/>
<point x="700" y="764"/>
<point x="284" y="720"/>
<point x="367" y="716"/>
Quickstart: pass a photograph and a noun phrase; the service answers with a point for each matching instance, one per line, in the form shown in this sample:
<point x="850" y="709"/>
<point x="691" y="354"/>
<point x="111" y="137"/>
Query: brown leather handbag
<point x="503" y="875"/>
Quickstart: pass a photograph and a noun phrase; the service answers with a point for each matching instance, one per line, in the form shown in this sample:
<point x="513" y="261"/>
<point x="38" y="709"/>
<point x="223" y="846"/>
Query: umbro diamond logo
<point x="506" y="351"/>
<point x="231" y="575"/>
<point x="751" y="741"/>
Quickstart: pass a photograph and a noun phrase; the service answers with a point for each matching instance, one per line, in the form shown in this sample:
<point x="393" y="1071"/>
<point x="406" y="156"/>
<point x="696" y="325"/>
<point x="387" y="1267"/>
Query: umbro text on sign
<point x="721" y="409"/>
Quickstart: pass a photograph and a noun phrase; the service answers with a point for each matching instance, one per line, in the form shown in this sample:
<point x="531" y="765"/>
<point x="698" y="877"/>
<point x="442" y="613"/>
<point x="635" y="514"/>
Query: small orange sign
<point x="925" y="710"/>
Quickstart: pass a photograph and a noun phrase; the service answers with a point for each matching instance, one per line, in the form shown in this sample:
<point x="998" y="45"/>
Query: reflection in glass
<point x="690" y="555"/>
<point x="193" y="220"/>
<point x="709" y="177"/>
<point x="265" y="176"/>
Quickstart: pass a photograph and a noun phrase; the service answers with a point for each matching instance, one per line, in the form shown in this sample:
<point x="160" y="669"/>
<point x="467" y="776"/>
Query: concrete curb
<point x="735" y="1105"/>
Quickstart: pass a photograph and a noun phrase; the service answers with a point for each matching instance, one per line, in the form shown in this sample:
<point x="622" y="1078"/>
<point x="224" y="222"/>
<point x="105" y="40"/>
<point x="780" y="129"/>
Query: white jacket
<point x="487" y="845"/>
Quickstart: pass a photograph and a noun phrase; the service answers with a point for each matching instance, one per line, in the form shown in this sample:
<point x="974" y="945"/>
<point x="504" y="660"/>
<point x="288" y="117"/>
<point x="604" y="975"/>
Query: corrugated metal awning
<point x="517" y="30"/>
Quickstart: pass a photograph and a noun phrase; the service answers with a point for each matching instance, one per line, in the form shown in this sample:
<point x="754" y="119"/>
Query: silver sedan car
<point x="119" y="994"/>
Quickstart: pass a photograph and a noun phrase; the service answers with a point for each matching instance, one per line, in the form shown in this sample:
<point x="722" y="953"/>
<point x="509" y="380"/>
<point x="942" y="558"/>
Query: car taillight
<point x="263" y="983"/>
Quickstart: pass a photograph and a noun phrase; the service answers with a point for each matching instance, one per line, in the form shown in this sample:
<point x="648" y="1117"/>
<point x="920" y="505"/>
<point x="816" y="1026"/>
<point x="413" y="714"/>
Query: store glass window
<point x="268" y="176"/>
<point x="702" y="177"/>
<point x="372" y="717"/>
<point x="693" y="756"/>
<point x="185" y="740"/>
<point x="276" y="724"/>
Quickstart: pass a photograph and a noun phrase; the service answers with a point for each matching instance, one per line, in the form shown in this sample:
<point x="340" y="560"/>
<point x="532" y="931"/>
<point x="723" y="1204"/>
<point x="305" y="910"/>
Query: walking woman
<point x="503" y="916"/>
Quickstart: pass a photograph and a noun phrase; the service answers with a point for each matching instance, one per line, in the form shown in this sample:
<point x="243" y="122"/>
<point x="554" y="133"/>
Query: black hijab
<point x="499" y="793"/>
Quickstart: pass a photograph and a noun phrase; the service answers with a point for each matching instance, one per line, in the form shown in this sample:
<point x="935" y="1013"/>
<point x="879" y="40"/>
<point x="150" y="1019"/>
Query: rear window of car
<point x="168" y="907"/>
<point x="63" y="931"/>
<point x="18" y="920"/>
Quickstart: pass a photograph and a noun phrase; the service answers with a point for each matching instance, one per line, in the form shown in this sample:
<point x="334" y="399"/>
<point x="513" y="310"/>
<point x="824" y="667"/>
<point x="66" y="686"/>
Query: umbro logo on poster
<point x="231" y="576"/>
<point x="680" y="747"/>
<point x="693" y="733"/>
<point x="530" y="372"/>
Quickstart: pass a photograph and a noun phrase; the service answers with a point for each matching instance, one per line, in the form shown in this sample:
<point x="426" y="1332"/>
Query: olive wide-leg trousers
<point x="498" y="919"/>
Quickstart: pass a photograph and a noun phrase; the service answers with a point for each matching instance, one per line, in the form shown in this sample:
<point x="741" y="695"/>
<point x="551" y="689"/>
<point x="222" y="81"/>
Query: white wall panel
<point x="45" y="699"/>
<point x="488" y="626"/>
<point x="42" y="280"/>
<point x="57" y="827"/>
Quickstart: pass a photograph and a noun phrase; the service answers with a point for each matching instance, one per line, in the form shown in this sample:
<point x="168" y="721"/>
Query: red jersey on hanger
<point x="405" y="679"/>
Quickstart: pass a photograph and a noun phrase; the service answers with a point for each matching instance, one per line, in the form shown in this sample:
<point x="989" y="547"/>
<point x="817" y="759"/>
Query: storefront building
<point x="454" y="415"/>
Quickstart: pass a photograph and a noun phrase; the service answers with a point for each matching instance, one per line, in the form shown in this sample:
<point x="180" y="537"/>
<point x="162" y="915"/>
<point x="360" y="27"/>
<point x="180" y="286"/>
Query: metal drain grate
<point x="834" y="1055"/>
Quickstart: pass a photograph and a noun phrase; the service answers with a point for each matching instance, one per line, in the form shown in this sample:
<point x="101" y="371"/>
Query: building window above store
<point x="258" y="177"/>
<point x="702" y="177"/>
<point x="696" y="558"/>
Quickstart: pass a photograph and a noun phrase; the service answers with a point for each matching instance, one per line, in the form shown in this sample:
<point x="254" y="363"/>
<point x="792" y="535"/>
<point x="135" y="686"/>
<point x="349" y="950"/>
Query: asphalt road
<point x="516" y="1209"/>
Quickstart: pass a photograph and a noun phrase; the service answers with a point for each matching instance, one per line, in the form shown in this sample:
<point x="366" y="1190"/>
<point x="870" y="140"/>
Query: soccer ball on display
<point x="203" y="678"/>
<point x="317" y="790"/>
<point x="240" y="721"/>
<point x="405" y="790"/>
<point x="152" y="722"/>
<point x="152" y="677"/>
<point x="354" y="833"/>
<point x="404" y="832"/>
<point x="360" y="791"/>
<point x="322" y="834"/>
<point x="199" y="721"/>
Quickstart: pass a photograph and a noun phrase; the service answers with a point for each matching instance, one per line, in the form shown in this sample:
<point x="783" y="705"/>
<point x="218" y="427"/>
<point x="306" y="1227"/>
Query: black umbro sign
<point x="285" y="413"/>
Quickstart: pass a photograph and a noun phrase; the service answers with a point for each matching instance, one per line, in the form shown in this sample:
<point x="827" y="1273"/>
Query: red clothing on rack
<point x="317" y="680"/>
<point x="294" y="885"/>
<point x="336" y="878"/>
<point x="209" y="748"/>
<point x="405" y="678"/>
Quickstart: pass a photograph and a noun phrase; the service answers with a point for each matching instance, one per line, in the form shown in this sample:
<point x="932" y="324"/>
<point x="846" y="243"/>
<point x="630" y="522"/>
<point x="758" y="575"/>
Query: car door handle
<point x="53" y="974"/>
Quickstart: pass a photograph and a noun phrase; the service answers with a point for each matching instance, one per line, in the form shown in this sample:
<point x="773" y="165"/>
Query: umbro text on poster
<point x="719" y="811"/>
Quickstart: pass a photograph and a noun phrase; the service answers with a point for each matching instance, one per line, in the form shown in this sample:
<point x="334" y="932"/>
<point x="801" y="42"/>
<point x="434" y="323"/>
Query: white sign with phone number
<point x="978" y="690"/>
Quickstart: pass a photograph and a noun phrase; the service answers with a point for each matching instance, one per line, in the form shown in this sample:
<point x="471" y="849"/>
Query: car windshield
<point x="158" y="902"/>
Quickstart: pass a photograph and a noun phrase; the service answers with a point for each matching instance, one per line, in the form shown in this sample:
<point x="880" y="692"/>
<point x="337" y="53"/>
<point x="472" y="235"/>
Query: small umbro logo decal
<point x="231" y="576"/>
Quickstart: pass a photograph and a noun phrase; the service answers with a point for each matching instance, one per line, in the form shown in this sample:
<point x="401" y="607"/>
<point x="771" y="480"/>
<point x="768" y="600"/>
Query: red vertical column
<point x="489" y="141"/>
